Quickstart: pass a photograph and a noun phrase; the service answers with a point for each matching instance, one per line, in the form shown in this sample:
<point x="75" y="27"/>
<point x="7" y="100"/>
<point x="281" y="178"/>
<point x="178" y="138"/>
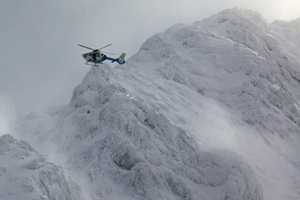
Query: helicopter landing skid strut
<point x="96" y="65"/>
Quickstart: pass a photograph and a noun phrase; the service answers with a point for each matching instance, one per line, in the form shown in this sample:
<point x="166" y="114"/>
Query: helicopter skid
<point x="92" y="64"/>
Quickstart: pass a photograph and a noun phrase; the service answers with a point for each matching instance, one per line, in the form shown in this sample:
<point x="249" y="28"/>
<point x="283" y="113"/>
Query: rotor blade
<point x="108" y="53"/>
<point x="104" y="47"/>
<point x="86" y="47"/>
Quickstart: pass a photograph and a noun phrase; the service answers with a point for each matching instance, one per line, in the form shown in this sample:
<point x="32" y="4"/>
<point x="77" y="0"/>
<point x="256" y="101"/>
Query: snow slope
<point x="202" y="111"/>
<point x="26" y="174"/>
<point x="125" y="144"/>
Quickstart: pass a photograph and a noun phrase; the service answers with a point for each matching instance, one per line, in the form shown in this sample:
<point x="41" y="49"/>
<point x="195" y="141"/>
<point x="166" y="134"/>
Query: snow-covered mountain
<point x="25" y="174"/>
<point x="203" y="111"/>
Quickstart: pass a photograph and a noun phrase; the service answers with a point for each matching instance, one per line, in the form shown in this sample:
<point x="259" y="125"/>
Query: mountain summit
<point x="202" y="111"/>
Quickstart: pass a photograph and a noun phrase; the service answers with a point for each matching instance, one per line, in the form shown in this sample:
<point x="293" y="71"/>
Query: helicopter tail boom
<point x="120" y="60"/>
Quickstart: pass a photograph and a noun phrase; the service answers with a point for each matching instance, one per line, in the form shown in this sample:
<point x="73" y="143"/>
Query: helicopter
<point x="96" y="56"/>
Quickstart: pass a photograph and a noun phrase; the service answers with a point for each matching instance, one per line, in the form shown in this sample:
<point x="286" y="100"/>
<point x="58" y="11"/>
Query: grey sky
<point x="41" y="63"/>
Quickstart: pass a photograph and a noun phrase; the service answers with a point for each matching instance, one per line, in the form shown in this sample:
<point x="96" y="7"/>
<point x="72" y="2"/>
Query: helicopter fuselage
<point x="94" y="56"/>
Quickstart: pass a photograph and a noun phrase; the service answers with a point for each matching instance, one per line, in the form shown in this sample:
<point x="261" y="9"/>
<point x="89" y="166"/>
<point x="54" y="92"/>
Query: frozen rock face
<point x="139" y="148"/>
<point x="125" y="148"/>
<point x="26" y="174"/>
<point x="202" y="111"/>
<point x="237" y="58"/>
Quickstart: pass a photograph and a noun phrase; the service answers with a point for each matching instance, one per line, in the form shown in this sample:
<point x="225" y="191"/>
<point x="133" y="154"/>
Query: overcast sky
<point x="41" y="63"/>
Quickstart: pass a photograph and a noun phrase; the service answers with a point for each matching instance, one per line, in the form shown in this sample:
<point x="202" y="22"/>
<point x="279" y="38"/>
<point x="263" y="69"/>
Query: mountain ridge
<point x="200" y="112"/>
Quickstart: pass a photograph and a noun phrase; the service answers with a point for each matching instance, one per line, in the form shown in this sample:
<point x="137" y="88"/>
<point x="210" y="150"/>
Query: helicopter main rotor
<point x="96" y="50"/>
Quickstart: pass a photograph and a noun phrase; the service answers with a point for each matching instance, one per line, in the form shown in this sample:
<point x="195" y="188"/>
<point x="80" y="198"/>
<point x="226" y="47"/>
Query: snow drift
<point x="202" y="111"/>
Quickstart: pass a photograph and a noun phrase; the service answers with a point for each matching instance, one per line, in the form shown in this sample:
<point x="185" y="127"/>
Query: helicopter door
<point x="94" y="56"/>
<point x="100" y="56"/>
